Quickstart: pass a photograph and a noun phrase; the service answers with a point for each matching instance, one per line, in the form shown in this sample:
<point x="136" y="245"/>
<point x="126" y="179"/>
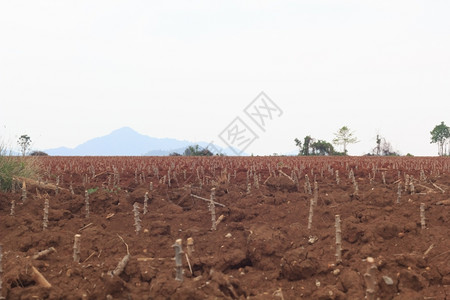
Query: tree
<point x="197" y="151"/>
<point x="383" y="148"/>
<point x="312" y="146"/>
<point x="24" y="142"/>
<point x="322" y="148"/>
<point x="387" y="150"/>
<point x="38" y="153"/>
<point x="440" y="135"/>
<point x="344" y="137"/>
<point x="377" y="150"/>
<point x="305" y="148"/>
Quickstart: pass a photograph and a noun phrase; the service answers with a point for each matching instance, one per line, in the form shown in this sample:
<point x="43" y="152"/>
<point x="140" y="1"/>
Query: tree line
<point x="345" y="137"/>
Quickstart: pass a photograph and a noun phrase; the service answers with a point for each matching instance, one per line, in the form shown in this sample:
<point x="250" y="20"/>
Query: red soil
<point x="261" y="250"/>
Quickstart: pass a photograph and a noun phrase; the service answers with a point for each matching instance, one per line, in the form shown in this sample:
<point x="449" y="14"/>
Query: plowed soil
<point x="262" y="249"/>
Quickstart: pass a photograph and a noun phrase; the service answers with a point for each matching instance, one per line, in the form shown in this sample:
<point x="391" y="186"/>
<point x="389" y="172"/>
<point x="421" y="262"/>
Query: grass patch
<point x="92" y="190"/>
<point x="15" y="166"/>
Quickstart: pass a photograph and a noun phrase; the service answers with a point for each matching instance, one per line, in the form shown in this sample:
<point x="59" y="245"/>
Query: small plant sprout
<point x="411" y="186"/>
<point x="1" y="271"/>
<point x="57" y="185"/>
<point x="351" y="175"/>
<point x="383" y="177"/>
<point x="212" y="209"/>
<point x="71" y="189"/>
<point x="156" y="172"/>
<point x="145" y="203"/>
<point x="198" y="175"/>
<point x="137" y="220"/>
<point x="13" y="207"/>
<point x="399" y="192"/>
<point x="338" y="239"/>
<point x="406" y="182"/>
<point x="76" y="248"/>
<point x="422" y="175"/>
<point x="422" y="216"/>
<point x="311" y="212"/>
<point x="45" y="220"/>
<point x="86" y="201"/>
<point x="369" y="278"/>
<point x="178" y="260"/>
<point x="116" y="177"/>
<point x="24" y="191"/>
<point x="316" y="192"/>
<point x="355" y="184"/>
<point x="297" y="184"/>
<point x="190" y="246"/>
<point x="256" y="181"/>
<point x="168" y="177"/>
<point x="308" y="184"/>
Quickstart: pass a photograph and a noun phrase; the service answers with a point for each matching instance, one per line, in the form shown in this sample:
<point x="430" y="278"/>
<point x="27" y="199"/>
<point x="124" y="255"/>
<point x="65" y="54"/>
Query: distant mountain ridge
<point x="127" y="142"/>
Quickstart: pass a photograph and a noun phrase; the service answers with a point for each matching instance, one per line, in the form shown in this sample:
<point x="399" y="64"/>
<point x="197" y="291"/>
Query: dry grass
<point x="15" y="166"/>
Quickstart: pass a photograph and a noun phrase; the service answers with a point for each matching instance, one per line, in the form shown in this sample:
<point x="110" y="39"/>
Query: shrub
<point x="15" y="166"/>
<point x="38" y="153"/>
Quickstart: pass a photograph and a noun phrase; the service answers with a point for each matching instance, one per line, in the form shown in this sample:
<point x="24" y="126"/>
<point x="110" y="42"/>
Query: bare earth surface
<point x="262" y="249"/>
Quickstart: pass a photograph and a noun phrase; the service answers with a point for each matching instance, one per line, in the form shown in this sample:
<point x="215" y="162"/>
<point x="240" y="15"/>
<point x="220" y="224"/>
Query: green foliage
<point x="14" y="166"/>
<point x="305" y="147"/>
<point x="440" y="135"/>
<point x="92" y="190"/>
<point x="311" y="146"/>
<point x="344" y="137"/>
<point x="321" y="147"/>
<point x="114" y="190"/>
<point x="38" y="153"/>
<point x="197" y="151"/>
<point x="24" y="142"/>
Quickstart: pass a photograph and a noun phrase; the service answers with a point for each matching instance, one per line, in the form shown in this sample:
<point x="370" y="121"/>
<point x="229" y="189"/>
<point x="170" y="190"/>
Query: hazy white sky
<point x="74" y="70"/>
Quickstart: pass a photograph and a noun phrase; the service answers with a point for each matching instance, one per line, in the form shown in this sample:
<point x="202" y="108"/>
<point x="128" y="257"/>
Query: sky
<point x="74" y="70"/>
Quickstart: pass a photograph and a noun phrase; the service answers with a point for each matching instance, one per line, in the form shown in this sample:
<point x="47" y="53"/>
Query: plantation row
<point x="191" y="170"/>
<point x="239" y="228"/>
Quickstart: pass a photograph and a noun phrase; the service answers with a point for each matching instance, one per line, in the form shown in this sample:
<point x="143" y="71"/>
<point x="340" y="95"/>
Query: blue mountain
<point x="127" y="142"/>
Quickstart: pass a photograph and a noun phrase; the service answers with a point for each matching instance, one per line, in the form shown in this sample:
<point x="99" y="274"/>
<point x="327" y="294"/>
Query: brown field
<point x="262" y="249"/>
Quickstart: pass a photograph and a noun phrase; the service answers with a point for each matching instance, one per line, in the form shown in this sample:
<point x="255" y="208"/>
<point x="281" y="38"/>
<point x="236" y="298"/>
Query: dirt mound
<point x="281" y="183"/>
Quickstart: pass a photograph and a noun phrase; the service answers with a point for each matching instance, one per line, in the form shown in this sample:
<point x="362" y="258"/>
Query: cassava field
<point x="277" y="236"/>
